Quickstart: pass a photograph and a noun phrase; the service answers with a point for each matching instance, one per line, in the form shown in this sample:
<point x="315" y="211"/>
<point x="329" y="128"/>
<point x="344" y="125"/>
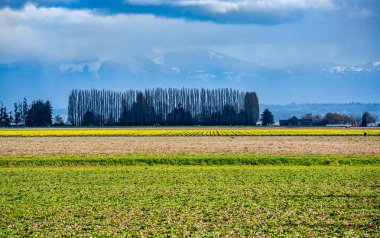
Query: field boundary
<point x="191" y="160"/>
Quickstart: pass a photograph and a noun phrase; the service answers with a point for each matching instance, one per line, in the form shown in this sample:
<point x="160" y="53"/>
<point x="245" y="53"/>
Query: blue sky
<point x="262" y="31"/>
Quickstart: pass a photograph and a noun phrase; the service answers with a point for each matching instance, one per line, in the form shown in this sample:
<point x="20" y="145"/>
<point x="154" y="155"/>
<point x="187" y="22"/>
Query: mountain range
<point x="313" y="82"/>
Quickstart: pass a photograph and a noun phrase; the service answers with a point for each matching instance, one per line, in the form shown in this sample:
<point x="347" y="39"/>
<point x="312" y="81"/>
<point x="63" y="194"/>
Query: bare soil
<point x="124" y="146"/>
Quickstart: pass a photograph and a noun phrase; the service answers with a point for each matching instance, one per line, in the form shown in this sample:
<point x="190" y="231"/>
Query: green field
<point x="189" y="186"/>
<point x="189" y="160"/>
<point x="190" y="200"/>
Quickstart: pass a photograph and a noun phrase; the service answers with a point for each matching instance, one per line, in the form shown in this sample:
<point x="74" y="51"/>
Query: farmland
<point x="291" y="150"/>
<point x="317" y="185"/>
<point x="198" y="201"/>
<point x="156" y="146"/>
<point x="190" y="131"/>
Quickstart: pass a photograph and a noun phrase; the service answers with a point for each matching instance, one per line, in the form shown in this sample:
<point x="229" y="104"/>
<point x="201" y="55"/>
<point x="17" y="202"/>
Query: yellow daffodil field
<point x="190" y="131"/>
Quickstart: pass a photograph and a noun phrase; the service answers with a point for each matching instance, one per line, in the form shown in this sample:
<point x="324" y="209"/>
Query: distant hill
<point x="298" y="110"/>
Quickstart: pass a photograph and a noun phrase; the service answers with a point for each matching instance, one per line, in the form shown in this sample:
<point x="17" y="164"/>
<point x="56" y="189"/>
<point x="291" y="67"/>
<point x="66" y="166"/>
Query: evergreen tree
<point x="4" y="116"/>
<point x="17" y="113"/>
<point x="89" y="119"/>
<point x="267" y="117"/>
<point x="251" y="107"/>
<point x="179" y="117"/>
<point x="141" y="113"/>
<point x="229" y="116"/>
<point x="24" y="110"/>
<point x="367" y="118"/>
<point x="39" y="114"/>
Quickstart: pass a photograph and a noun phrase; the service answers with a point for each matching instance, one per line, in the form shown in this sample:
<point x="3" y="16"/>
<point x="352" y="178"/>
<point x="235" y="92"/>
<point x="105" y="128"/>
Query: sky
<point x="260" y="31"/>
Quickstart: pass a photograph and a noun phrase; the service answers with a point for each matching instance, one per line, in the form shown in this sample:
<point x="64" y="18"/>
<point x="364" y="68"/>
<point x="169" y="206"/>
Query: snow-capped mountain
<point x="309" y="82"/>
<point x="369" y="67"/>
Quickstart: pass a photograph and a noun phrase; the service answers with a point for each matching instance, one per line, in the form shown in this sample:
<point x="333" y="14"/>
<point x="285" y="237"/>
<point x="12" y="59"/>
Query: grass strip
<point x="191" y="160"/>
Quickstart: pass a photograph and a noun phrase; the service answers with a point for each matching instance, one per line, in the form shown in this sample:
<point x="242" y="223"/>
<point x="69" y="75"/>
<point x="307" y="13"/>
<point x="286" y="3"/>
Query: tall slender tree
<point x="155" y="106"/>
<point x="251" y="107"/>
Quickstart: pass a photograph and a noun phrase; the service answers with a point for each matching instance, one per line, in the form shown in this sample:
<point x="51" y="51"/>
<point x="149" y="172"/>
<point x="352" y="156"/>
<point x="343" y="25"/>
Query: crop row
<point x="189" y="160"/>
<point x="190" y="132"/>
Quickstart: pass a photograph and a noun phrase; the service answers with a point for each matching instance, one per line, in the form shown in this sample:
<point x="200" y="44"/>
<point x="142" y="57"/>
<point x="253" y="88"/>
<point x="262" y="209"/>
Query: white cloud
<point x="213" y="6"/>
<point x="218" y="6"/>
<point x="59" y="33"/>
<point x="56" y="33"/>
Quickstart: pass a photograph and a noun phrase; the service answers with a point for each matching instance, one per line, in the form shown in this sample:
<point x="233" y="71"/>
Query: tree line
<point x="340" y="118"/>
<point x="323" y="120"/>
<point x="38" y="113"/>
<point x="158" y="106"/>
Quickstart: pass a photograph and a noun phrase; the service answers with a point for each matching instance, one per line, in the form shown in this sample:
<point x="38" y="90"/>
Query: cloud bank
<point x="265" y="12"/>
<point x="328" y="30"/>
